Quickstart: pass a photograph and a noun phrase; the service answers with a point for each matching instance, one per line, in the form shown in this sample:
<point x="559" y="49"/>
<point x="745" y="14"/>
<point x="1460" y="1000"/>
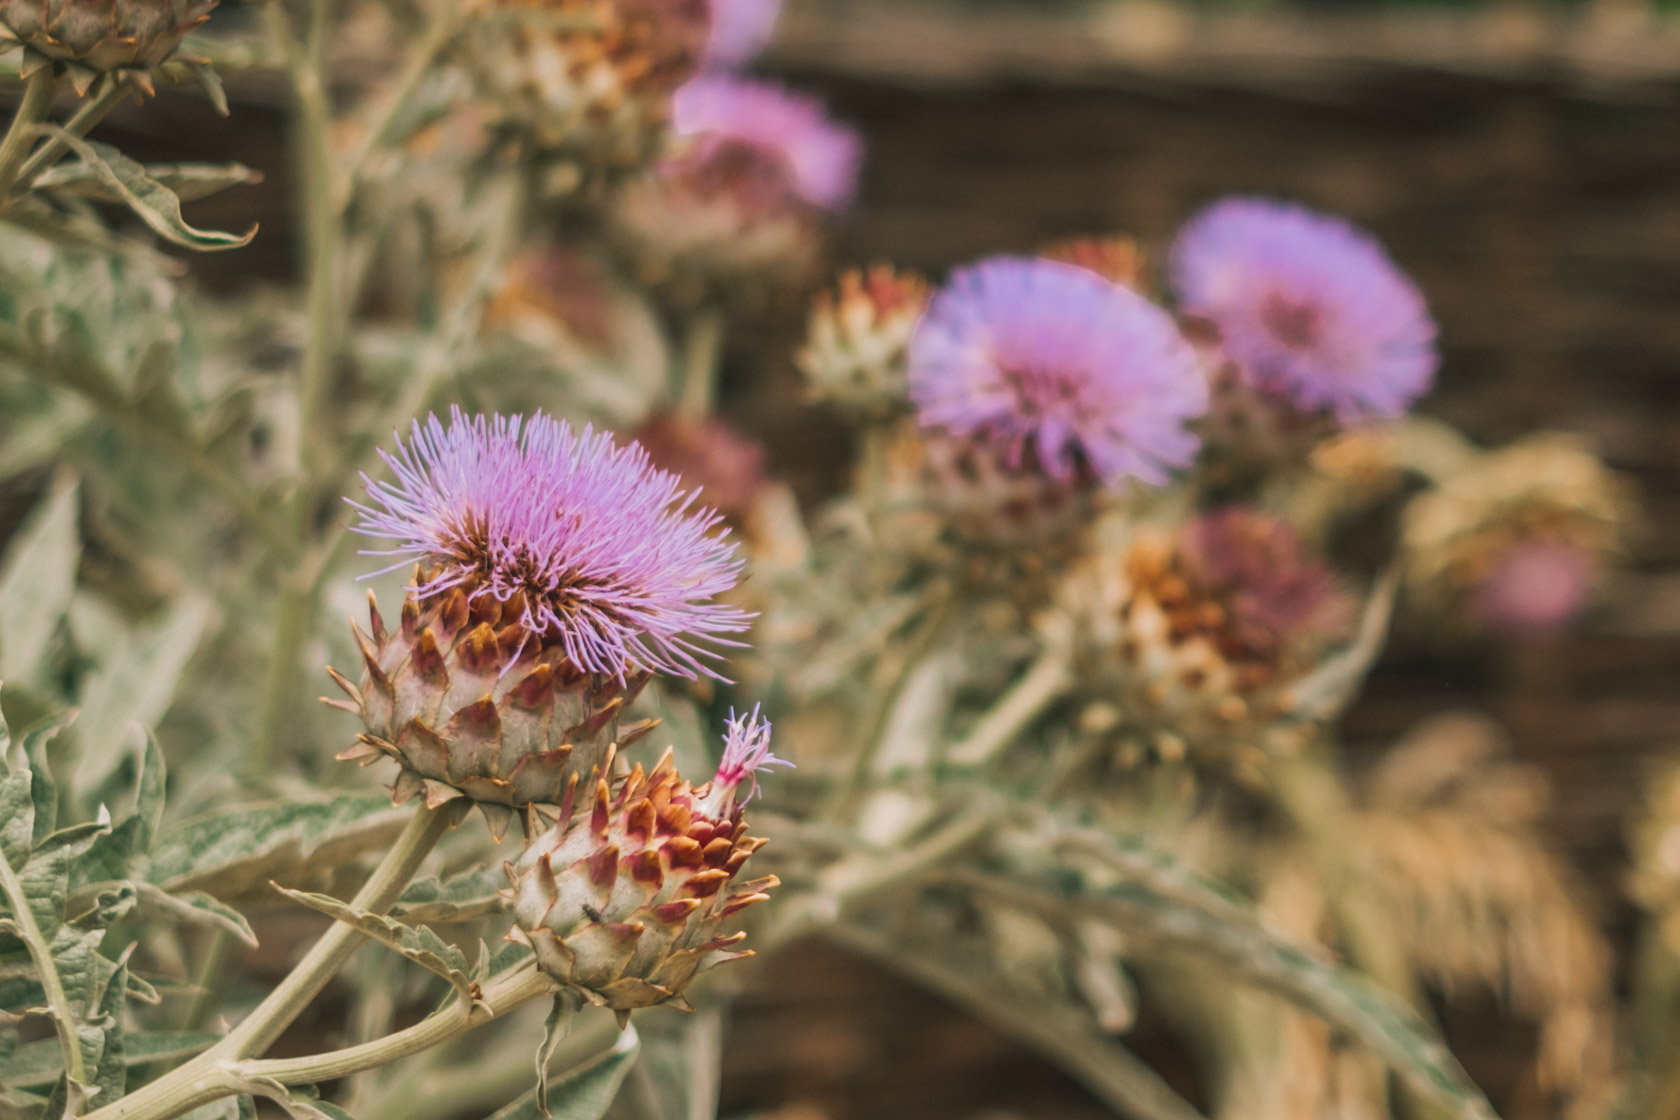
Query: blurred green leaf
<point x="584" y="1093"/>
<point x="464" y="897"/>
<point x="155" y="204"/>
<point x="37" y="579"/>
<point x="229" y="853"/>
<point x="39" y="1063"/>
<point x="187" y="181"/>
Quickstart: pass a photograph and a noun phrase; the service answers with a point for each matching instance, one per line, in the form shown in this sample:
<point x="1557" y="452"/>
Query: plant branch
<point x="702" y="350"/>
<point x="58" y="1004"/>
<point x="1108" y="1069"/>
<point x="1044" y="683"/>
<point x="14" y="147"/>
<point x="82" y="122"/>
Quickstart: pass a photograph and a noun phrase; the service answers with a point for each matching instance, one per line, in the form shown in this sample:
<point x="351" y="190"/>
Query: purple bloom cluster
<point x="1026" y="353"/>
<point x="613" y="562"/>
<point x="740" y="29"/>
<point x="1307" y="306"/>
<point x="791" y="130"/>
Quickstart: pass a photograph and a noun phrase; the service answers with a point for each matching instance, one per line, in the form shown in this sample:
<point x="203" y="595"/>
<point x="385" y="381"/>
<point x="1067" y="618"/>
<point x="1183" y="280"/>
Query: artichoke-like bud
<point x="739" y="207"/>
<point x="94" y="37"/>
<point x="1519" y="542"/>
<point x="1113" y="258"/>
<point x="856" y="353"/>
<point x="472" y="703"/>
<point x="1250" y="431"/>
<point x="1203" y="631"/>
<point x="628" y="898"/>
<point x="584" y="85"/>
<point x="960" y="501"/>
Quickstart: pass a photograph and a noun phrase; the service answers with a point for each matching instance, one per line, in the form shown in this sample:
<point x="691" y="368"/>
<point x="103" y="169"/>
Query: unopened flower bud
<point x="632" y="894"/>
<point x="857" y="352"/>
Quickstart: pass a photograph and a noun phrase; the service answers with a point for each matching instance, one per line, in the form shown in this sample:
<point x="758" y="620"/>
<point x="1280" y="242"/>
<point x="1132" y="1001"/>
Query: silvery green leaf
<point x="188" y="181"/>
<point x="151" y="201"/>
<point x="418" y="944"/>
<point x="464" y="897"/>
<point x="134" y="687"/>
<point x="229" y="853"/>
<point x="32" y="745"/>
<point x="17" y="817"/>
<point x="583" y="1093"/>
<point x="194" y="908"/>
<point x="39" y="1063"/>
<point x="37" y="578"/>
<point x="1165" y="915"/>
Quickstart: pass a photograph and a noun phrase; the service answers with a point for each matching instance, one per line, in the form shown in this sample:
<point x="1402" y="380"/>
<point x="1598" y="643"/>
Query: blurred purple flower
<point x="1307" y="306"/>
<point x="1535" y="587"/>
<point x="740" y="29"/>
<point x="791" y="130"/>
<point x="1276" y="591"/>
<point x="602" y="547"/>
<point x="1019" y="351"/>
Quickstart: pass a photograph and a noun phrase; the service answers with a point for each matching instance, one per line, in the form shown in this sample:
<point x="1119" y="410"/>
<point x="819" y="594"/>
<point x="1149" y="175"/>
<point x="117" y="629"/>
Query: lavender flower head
<point x="819" y="156"/>
<point x="1017" y="351"/>
<point x="1307" y="306"/>
<point x="1536" y="587"/>
<point x="740" y="29"/>
<point x="611" y="559"/>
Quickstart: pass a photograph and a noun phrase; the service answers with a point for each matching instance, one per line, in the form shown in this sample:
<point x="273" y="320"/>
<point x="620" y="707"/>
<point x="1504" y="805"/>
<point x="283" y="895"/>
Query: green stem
<point x="850" y="793"/>
<point x="58" y="1005"/>
<point x="206" y="1077"/>
<point x="1041" y="685"/>
<point x="446" y="21"/>
<point x="82" y="122"/>
<point x="14" y="147"/>
<point x="295" y="612"/>
<point x="702" y="350"/>
<point x="257" y="1031"/>
<point x="209" y="1077"/>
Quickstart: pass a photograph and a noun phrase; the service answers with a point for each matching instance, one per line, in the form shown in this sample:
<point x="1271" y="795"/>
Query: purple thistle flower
<point x="1307" y="306"/>
<point x="612" y="561"/>
<point x="1016" y="350"/>
<point x="792" y="131"/>
<point x="1536" y="587"/>
<point x="740" y="29"/>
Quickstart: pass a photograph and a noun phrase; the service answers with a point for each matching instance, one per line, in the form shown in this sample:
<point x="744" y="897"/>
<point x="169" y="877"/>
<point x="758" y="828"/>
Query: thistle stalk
<point x="82" y="122"/>
<point x="215" y="1073"/>
<point x="58" y="1005"/>
<point x="14" y="147"/>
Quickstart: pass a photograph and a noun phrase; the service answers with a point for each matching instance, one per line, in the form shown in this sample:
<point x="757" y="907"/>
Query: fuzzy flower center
<point x="1295" y="323"/>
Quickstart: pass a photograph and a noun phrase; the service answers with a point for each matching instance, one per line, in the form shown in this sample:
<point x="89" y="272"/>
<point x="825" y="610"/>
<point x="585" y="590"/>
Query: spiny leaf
<point x="459" y="899"/>
<point x="419" y="945"/>
<point x="194" y="908"/>
<point x="554" y="1029"/>
<point x="43" y="791"/>
<point x="154" y="203"/>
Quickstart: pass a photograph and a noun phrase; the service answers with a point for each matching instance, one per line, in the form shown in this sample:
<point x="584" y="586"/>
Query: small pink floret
<point x="746" y="750"/>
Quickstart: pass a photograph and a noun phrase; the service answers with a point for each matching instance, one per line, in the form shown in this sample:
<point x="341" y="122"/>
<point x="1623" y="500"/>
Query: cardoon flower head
<point x="627" y="899"/>
<point x="740" y="29"/>
<point x="785" y="130"/>
<point x="600" y="548"/>
<point x="1037" y="355"/>
<point x="1307" y="307"/>
<point x="556" y="573"/>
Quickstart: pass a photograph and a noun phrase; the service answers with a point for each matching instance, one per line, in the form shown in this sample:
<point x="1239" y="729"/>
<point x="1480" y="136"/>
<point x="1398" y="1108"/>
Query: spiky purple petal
<point x="613" y="559"/>
<point x="1307" y="306"/>
<point x="1022" y="353"/>
<point x="746" y="750"/>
